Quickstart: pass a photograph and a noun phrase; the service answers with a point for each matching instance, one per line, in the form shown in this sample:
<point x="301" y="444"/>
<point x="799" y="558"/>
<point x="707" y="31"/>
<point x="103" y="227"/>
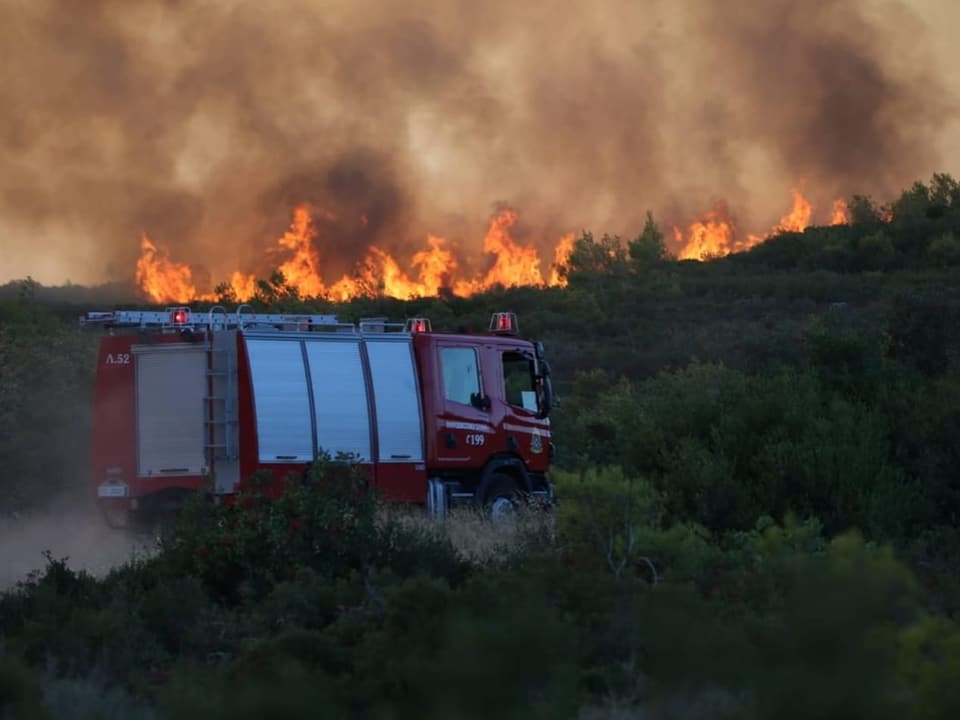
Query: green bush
<point x="603" y="516"/>
<point x="21" y="694"/>
<point x="46" y="391"/>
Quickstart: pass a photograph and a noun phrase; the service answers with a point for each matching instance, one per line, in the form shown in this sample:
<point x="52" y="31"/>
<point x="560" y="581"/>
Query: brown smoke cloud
<point x="204" y="123"/>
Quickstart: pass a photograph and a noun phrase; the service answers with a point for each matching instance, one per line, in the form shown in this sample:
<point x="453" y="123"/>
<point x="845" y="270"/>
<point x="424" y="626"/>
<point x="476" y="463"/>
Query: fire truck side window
<point x="518" y="381"/>
<point x="461" y="377"/>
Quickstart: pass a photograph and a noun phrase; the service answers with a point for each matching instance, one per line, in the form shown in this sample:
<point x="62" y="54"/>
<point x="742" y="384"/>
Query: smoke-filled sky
<point x="203" y="123"/>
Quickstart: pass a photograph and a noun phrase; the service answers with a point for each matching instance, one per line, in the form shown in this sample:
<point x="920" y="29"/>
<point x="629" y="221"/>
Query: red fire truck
<point x="188" y="400"/>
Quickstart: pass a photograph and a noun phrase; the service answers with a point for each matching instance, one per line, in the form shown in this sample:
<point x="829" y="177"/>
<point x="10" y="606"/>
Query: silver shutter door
<point x="284" y="427"/>
<point x="399" y="427"/>
<point x="339" y="396"/>
<point x="171" y="387"/>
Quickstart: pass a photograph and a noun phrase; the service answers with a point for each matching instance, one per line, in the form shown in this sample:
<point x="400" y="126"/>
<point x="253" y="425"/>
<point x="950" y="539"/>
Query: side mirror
<point x="481" y="402"/>
<point x="546" y="395"/>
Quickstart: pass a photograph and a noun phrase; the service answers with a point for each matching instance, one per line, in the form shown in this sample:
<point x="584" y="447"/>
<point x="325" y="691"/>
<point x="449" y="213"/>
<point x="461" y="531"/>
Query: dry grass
<point x="476" y="538"/>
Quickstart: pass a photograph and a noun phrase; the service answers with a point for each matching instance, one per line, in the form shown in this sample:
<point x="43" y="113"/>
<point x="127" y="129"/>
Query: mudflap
<point x="146" y="516"/>
<point x="116" y="513"/>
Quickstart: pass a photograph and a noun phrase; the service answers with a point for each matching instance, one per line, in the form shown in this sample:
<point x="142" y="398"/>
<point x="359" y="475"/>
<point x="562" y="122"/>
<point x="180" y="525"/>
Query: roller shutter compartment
<point x="281" y="400"/>
<point x="171" y="387"/>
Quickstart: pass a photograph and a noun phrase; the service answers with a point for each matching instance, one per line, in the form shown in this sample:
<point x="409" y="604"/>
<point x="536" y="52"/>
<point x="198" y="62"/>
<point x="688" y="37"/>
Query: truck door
<point x="527" y="434"/>
<point x="464" y="430"/>
<point x="170" y="391"/>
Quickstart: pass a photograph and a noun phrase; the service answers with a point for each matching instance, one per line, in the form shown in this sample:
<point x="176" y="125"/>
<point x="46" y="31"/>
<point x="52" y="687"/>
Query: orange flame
<point x="160" y="278"/>
<point x="561" y="257"/>
<point x="711" y="237"/>
<point x="515" y="264"/>
<point x="243" y="286"/>
<point x="380" y="274"/>
<point x="841" y="214"/>
<point x="436" y="266"/>
<point x="302" y="271"/>
<point x="798" y="218"/>
<point x="715" y="235"/>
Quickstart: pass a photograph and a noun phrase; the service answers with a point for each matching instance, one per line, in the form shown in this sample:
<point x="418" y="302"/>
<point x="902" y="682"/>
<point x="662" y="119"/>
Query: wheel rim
<point x="502" y="508"/>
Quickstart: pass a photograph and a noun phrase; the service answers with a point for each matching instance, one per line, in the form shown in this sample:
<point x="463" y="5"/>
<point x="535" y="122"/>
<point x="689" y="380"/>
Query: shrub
<point x="602" y="517"/>
<point x="20" y="691"/>
<point x="245" y="548"/>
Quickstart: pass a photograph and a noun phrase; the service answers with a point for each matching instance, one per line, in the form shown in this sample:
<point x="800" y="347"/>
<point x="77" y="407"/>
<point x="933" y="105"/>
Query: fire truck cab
<point x="191" y="401"/>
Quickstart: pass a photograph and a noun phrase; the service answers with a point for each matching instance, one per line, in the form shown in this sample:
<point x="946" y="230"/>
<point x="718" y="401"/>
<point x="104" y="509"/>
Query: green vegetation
<point x="46" y="391"/>
<point x="759" y="512"/>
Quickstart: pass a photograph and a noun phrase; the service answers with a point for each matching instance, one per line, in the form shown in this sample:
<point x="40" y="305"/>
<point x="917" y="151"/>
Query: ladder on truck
<point x="181" y="318"/>
<point x="220" y="417"/>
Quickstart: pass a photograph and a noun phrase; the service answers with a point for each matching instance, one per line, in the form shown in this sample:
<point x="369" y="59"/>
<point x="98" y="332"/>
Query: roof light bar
<point x="418" y="325"/>
<point x="504" y="323"/>
<point x="179" y="315"/>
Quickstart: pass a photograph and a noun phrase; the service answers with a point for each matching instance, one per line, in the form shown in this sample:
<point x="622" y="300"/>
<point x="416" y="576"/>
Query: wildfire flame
<point x="841" y="214"/>
<point x="798" y="218"/>
<point x="715" y="235"/>
<point x="711" y="237"/>
<point x="160" y="278"/>
<point x="561" y="256"/>
<point x="436" y="266"/>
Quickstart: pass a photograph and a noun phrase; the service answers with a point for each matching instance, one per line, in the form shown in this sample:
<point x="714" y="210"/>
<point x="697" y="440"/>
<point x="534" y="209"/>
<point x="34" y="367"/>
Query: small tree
<point x="605" y="257"/>
<point x="913" y="204"/>
<point x="863" y="211"/>
<point x="648" y="249"/>
<point x="944" y="191"/>
<point x="609" y="512"/>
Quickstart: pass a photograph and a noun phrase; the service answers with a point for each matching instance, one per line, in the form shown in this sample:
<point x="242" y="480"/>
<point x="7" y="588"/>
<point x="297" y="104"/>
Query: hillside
<point x="759" y="491"/>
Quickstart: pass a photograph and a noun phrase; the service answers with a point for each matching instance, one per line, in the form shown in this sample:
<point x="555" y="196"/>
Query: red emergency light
<point x="180" y="316"/>
<point x="504" y="323"/>
<point x="418" y="325"/>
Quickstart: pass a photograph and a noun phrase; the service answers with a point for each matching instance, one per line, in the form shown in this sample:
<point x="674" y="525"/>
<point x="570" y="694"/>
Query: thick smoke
<point x="203" y="124"/>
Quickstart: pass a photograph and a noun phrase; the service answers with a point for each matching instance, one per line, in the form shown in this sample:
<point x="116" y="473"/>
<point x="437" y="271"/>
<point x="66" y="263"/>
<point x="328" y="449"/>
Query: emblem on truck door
<point x="536" y="442"/>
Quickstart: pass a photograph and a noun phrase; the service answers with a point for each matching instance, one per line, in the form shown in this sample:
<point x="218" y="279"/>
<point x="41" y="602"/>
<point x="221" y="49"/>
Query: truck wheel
<point x="502" y="500"/>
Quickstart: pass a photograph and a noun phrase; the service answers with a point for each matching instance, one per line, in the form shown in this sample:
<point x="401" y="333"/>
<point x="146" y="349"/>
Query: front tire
<point x="503" y="500"/>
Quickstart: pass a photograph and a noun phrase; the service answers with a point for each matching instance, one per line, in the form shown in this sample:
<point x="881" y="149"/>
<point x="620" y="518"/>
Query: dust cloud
<point x="71" y="531"/>
<point x="204" y="123"/>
